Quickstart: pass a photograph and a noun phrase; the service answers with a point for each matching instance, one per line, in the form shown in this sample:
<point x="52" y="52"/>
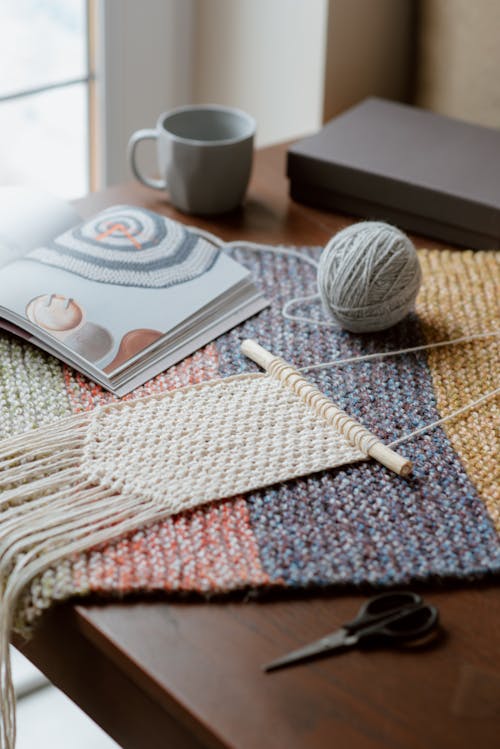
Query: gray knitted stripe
<point x="173" y="260"/>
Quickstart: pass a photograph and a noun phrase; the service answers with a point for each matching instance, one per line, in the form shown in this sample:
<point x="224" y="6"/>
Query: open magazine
<point x="121" y="296"/>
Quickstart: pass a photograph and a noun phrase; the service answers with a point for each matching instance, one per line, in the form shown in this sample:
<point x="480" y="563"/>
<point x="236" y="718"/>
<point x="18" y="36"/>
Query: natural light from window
<point x="44" y="95"/>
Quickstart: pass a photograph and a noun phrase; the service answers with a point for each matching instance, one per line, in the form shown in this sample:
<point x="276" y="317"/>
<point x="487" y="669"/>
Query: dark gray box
<point x="427" y="173"/>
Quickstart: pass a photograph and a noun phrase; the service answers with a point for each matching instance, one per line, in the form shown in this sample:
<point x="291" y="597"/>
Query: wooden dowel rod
<point x="257" y="353"/>
<point x="355" y="432"/>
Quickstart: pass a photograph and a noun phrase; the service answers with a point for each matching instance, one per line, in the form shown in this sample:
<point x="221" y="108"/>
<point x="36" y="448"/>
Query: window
<point x="44" y="95"/>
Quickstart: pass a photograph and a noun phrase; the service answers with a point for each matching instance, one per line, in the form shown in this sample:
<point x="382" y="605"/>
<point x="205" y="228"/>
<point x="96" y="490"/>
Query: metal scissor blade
<point x="336" y="641"/>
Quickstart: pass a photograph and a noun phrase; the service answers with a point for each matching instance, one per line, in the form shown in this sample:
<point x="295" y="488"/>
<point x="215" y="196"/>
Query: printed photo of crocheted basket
<point x="130" y="246"/>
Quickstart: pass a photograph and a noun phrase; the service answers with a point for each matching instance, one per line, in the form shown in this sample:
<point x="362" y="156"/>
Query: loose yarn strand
<point x="414" y="349"/>
<point x="276" y="250"/>
<point x="397" y="352"/>
<point x="303" y="318"/>
<point x="444" y="419"/>
<point x="287" y="251"/>
<point x="218" y="242"/>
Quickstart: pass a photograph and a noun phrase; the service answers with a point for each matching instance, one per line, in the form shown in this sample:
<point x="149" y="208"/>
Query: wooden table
<point x="186" y="674"/>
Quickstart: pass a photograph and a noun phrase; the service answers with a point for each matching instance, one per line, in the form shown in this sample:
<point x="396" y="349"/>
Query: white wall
<point x="264" y="56"/>
<point x="144" y="67"/>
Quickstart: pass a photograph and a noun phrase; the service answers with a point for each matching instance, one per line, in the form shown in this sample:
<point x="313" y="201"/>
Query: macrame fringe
<point x="49" y="510"/>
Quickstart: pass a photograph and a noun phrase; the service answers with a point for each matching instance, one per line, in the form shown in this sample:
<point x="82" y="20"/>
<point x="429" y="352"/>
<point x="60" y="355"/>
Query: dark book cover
<point x="427" y="173"/>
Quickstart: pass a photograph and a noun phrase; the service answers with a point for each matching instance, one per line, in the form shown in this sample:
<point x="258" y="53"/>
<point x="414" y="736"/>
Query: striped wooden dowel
<point x="355" y="432"/>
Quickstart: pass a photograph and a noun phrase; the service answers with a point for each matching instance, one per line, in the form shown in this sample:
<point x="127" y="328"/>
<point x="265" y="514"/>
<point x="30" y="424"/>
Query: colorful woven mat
<point x="359" y="524"/>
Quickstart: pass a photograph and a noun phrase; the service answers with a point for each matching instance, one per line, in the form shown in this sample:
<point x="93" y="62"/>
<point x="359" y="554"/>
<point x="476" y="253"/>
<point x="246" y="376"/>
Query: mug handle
<point x="147" y="134"/>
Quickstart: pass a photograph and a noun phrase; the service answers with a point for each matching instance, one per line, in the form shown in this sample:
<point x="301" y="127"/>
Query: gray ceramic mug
<point x="205" y="157"/>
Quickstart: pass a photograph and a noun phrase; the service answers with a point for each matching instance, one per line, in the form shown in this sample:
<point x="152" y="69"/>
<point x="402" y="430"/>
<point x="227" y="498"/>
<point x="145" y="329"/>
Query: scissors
<point x="389" y="618"/>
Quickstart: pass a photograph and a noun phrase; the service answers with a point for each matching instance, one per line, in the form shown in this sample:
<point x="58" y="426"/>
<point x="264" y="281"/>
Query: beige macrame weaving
<point x="90" y="478"/>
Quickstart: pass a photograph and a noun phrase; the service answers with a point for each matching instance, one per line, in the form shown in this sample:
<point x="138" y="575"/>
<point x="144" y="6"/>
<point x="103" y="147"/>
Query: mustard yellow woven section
<point x="460" y="296"/>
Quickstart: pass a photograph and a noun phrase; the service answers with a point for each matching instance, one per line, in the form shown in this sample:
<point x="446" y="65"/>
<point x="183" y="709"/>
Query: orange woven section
<point x="85" y="395"/>
<point x="459" y="297"/>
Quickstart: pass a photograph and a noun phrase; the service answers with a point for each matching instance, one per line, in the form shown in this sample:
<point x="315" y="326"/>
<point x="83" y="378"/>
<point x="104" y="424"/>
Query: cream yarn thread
<point x="397" y="352"/>
<point x="414" y="350"/>
<point x="369" y="276"/>
<point x="380" y="271"/>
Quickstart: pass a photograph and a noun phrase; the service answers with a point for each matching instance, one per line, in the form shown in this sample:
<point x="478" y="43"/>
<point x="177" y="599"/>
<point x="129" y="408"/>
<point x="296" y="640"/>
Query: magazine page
<point x="113" y="286"/>
<point x="30" y="218"/>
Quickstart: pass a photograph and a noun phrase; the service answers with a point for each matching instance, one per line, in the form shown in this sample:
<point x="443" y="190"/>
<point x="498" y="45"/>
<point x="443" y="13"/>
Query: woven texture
<point x="212" y="441"/>
<point x="357" y="524"/>
<point x="463" y="298"/>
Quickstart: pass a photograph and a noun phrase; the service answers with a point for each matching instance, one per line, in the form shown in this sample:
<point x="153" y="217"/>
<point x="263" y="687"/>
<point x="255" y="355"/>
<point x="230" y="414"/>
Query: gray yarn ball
<point x="369" y="276"/>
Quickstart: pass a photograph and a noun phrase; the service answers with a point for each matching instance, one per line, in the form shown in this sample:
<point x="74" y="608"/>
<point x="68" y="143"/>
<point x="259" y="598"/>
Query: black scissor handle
<point x="382" y="606"/>
<point x="408" y="624"/>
